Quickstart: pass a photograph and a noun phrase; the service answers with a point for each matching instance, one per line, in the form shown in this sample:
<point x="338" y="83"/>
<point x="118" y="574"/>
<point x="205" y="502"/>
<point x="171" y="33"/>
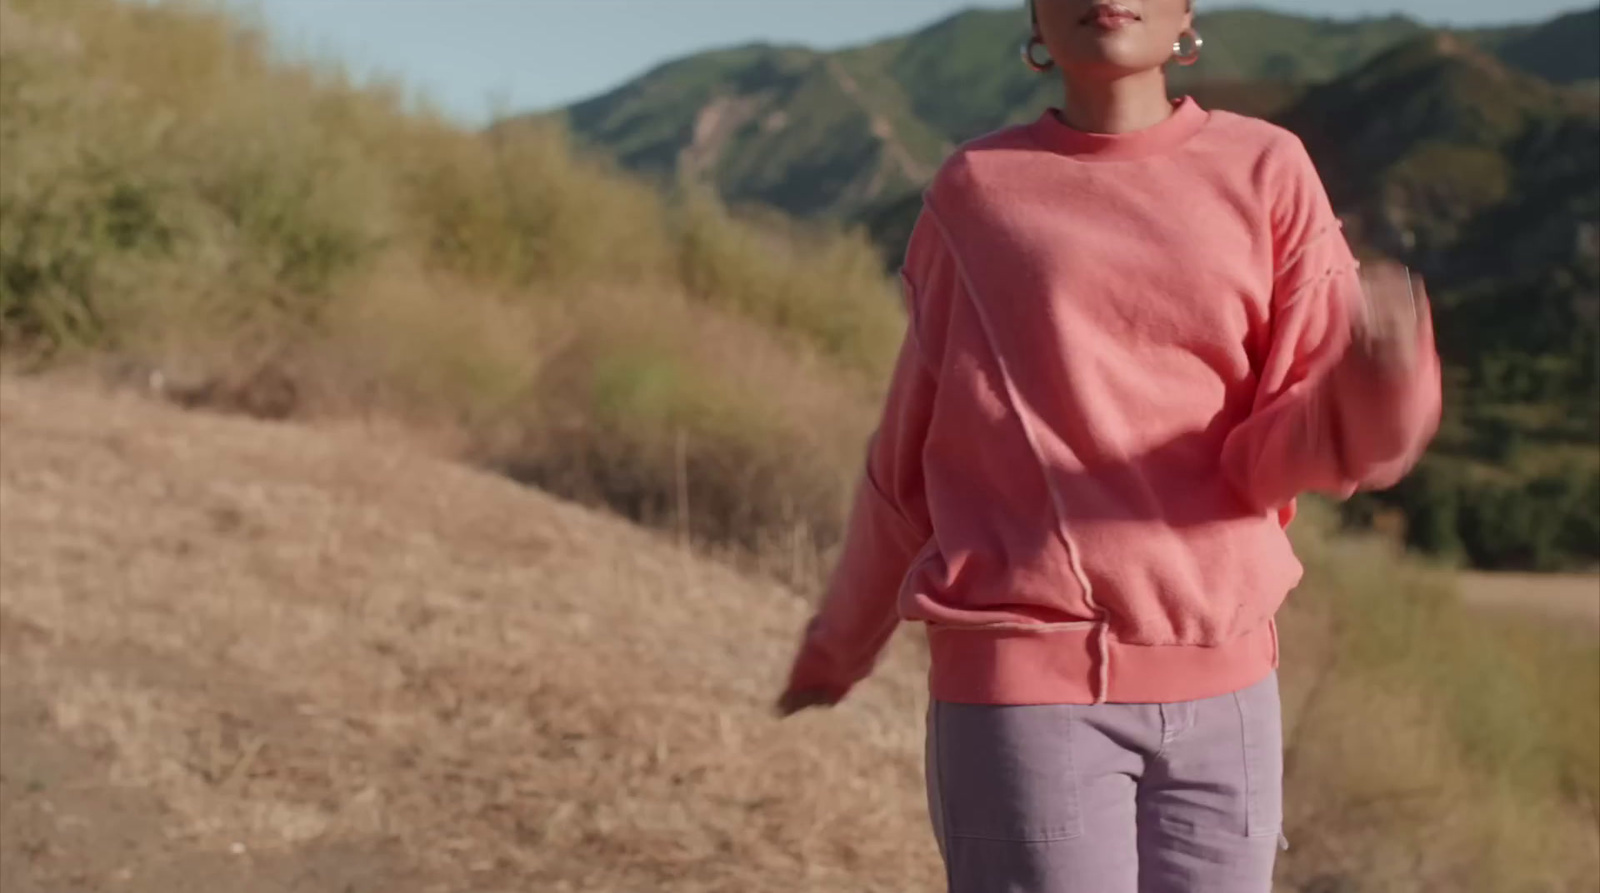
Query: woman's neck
<point x="1122" y="105"/>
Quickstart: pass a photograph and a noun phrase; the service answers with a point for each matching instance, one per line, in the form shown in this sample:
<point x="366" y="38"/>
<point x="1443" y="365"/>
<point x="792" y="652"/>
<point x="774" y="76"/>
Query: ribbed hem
<point x="1013" y="667"/>
<point x="1186" y="120"/>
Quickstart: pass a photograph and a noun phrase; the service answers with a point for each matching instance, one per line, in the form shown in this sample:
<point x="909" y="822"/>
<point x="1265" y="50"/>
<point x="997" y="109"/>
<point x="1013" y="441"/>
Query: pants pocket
<point x="1261" y="726"/>
<point x="1003" y="772"/>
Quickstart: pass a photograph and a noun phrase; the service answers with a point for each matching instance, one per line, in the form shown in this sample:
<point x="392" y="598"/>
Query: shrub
<point x="175" y="196"/>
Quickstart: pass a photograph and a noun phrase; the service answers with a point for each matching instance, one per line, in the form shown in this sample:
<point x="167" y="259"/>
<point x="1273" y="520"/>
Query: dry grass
<point x="300" y="640"/>
<point x="1564" y="598"/>
<point x="1436" y="747"/>
<point x="311" y="642"/>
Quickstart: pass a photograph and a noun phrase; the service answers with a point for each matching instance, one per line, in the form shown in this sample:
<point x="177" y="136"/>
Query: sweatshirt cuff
<point x="1386" y="417"/>
<point x="815" y="670"/>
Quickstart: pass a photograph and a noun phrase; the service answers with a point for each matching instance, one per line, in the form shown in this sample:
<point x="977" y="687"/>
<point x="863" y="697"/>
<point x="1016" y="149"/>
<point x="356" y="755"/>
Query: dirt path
<point x="251" y="657"/>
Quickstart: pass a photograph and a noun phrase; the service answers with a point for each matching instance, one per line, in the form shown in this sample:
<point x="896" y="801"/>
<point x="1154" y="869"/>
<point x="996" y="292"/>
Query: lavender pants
<point x="1110" y="798"/>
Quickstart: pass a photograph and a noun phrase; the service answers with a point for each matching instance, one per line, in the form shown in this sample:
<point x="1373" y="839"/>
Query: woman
<point x="1136" y="334"/>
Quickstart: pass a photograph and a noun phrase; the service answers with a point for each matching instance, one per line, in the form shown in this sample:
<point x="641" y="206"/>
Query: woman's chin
<point x="1112" y="58"/>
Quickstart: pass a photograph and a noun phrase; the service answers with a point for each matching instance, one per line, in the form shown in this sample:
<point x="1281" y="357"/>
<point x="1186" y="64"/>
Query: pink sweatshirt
<point x="1126" y="356"/>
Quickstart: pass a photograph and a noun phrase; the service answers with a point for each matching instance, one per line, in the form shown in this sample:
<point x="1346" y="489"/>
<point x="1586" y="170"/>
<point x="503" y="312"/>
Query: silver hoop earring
<point x="1030" y="61"/>
<point x="1187" y="55"/>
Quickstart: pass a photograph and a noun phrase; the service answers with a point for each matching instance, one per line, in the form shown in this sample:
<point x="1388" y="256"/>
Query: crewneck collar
<point x="1186" y="120"/>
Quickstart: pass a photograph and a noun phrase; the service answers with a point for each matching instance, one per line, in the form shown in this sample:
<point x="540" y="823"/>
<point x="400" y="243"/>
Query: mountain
<point x="847" y="134"/>
<point x="1431" y="131"/>
<point x="807" y="132"/>
<point x="835" y="134"/>
<point x="1564" y="50"/>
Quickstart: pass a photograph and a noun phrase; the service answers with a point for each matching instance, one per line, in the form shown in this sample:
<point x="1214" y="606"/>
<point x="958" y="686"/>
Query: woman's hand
<point x="1384" y="331"/>
<point x="795" y="700"/>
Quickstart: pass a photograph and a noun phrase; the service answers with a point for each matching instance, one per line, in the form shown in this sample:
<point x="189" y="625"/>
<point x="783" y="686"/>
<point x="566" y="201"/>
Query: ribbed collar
<point x="1186" y="120"/>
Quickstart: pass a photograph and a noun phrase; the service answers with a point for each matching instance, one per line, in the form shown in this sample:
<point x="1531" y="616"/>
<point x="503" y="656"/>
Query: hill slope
<point x="250" y="656"/>
<point x="832" y="133"/>
<point x="347" y="655"/>
<point x="1488" y="182"/>
<point x="1563" y="50"/>
<point x="842" y="133"/>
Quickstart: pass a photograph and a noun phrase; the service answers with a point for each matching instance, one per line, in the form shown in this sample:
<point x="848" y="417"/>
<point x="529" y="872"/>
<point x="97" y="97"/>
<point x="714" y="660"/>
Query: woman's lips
<point x="1110" y="16"/>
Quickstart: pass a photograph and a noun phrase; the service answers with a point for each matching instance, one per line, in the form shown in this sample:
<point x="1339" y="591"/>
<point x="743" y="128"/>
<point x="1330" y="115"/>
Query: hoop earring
<point x="1030" y="61"/>
<point x="1191" y="54"/>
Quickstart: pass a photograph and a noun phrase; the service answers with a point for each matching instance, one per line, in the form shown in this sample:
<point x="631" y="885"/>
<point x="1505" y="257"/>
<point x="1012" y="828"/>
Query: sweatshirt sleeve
<point x="889" y="523"/>
<point x="1323" y="419"/>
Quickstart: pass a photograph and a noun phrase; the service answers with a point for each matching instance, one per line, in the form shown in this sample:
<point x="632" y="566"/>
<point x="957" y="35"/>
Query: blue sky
<point x="474" y="57"/>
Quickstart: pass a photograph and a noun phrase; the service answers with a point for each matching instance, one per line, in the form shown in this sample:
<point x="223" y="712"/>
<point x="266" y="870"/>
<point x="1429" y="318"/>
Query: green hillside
<point x="803" y="131"/>
<point x="846" y="134"/>
<point x="838" y="133"/>
<point x="1488" y="182"/>
<point x="1564" y="50"/>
